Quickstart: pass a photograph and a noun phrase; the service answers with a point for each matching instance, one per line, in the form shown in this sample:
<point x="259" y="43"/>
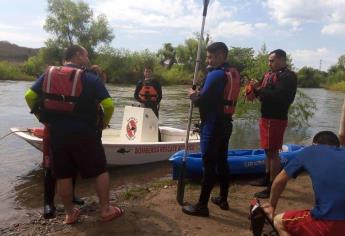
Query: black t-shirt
<point x="276" y="98"/>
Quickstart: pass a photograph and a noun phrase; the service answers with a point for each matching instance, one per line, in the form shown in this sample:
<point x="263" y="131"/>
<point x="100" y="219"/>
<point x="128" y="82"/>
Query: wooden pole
<point x="342" y="126"/>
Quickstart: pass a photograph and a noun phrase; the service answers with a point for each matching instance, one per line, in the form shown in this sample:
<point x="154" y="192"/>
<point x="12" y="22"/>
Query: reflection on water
<point x="21" y="174"/>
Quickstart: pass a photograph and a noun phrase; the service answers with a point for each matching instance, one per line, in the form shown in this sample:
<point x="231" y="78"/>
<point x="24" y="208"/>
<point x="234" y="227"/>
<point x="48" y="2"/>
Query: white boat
<point x="137" y="141"/>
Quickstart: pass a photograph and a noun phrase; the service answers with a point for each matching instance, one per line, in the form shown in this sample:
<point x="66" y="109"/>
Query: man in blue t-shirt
<point x="325" y="163"/>
<point x="67" y="100"/>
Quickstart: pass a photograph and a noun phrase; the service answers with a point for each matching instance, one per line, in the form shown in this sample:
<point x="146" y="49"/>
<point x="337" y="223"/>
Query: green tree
<point x="167" y="55"/>
<point x="186" y="53"/>
<point x="242" y="59"/>
<point x="341" y="62"/>
<point x="73" y="23"/>
<point x="310" y="78"/>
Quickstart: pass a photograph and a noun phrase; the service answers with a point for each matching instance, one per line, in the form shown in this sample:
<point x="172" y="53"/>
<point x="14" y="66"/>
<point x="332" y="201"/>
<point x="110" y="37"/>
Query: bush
<point x="176" y="75"/>
<point x="337" y="86"/>
<point x="10" y="71"/>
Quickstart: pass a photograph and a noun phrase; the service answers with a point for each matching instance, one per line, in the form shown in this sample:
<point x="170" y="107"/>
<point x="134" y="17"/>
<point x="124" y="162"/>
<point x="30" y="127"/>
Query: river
<point x="21" y="174"/>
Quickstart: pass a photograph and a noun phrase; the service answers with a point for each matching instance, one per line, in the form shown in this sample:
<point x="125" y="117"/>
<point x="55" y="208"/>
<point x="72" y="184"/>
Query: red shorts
<point x="272" y="133"/>
<point x="301" y="223"/>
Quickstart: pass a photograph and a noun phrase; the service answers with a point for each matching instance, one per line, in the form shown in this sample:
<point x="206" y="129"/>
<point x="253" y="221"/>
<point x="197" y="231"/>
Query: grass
<point x="336" y="87"/>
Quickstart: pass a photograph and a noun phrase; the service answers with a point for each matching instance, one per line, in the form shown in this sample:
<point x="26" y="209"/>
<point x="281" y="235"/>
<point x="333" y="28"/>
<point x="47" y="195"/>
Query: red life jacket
<point x="232" y="90"/>
<point x="270" y="78"/>
<point x="148" y="93"/>
<point x="62" y="88"/>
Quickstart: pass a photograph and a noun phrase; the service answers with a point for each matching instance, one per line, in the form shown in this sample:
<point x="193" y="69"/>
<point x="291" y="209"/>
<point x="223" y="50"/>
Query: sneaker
<point x="49" y="211"/>
<point x="263" y="194"/>
<point x="221" y="203"/>
<point x="196" y="210"/>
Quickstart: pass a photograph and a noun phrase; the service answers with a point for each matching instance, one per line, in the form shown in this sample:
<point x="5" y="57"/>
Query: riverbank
<point x="336" y="87"/>
<point x="151" y="209"/>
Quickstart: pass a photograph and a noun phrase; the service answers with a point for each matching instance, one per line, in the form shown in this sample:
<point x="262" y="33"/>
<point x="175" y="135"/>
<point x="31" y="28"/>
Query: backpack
<point x="260" y="223"/>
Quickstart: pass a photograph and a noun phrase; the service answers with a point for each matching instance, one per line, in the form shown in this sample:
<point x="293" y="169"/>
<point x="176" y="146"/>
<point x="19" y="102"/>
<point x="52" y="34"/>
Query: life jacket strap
<point x="57" y="97"/>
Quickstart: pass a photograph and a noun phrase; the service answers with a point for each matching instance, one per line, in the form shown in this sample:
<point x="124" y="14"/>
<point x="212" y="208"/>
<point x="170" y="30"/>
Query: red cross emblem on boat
<point x="131" y="128"/>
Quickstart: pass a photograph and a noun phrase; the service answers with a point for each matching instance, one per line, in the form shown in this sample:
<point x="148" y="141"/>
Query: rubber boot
<point x="76" y="200"/>
<point x="48" y="195"/>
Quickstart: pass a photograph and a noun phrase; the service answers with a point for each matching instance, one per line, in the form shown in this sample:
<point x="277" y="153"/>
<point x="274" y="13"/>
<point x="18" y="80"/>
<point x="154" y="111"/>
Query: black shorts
<point x="77" y="153"/>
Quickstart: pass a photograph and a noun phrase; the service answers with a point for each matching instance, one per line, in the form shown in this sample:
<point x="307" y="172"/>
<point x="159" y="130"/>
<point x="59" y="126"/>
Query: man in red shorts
<point x="276" y="93"/>
<point x="325" y="163"/>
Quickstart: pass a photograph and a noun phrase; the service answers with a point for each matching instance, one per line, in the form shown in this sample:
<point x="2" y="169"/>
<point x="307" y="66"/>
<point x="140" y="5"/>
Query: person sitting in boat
<point x="325" y="163"/>
<point x="148" y="91"/>
<point x="216" y="128"/>
<point x="68" y="97"/>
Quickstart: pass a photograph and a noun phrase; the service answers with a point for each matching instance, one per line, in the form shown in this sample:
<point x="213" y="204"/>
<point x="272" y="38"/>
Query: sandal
<point x="73" y="218"/>
<point x="114" y="212"/>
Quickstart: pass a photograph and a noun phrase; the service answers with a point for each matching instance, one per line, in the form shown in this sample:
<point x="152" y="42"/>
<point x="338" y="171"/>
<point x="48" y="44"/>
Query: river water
<point x="21" y="174"/>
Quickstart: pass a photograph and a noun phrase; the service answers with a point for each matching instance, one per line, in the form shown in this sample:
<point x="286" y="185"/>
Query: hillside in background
<point x="14" y="53"/>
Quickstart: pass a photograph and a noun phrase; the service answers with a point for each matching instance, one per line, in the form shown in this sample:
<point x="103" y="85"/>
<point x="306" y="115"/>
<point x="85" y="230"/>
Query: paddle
<point x="181" y="181"/>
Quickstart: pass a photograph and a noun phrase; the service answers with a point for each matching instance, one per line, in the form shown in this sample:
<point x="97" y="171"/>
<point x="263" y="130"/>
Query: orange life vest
<point x="148" y="93"/>
<point x="232" y="90"/>
<point x="62" y="88"/>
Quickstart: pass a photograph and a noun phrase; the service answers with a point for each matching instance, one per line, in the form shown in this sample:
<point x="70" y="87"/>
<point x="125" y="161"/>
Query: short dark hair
<point x="279" y="53"/>
<point x="148" y="67"/>
<point x="327" y="138"/>
<point x="218" y="47"/>
<point x="72" y="51"/>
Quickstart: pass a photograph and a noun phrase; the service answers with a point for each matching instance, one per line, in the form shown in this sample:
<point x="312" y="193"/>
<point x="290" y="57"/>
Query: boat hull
<point x="123" y="153"/>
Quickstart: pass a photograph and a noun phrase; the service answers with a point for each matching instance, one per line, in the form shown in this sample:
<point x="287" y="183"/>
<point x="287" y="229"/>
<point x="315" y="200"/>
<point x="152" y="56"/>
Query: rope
<point x="12" y="132"/>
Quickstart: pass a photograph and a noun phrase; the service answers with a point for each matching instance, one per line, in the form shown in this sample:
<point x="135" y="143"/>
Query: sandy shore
<point x="151" y="209"/>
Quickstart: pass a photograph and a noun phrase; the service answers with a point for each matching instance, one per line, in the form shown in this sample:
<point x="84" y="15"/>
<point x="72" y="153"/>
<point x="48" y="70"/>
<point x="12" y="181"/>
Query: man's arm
<point x="31" y="98"/>
<point x="283" y="92"/>
<point x="105" y="99"/>
<point x="278" y="187"/>
<point x="108" y="109"/>
<point x="208" y="90"/>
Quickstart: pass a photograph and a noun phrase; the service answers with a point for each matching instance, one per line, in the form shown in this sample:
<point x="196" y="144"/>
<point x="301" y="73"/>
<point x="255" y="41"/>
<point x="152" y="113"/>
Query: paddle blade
<point x="181" y="184"/>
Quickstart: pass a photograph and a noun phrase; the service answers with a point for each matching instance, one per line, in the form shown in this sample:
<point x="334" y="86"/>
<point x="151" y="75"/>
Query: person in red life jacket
<point x="324" y="161"/>
<point x="276" y="93"/>
<point x="148" y="91"/>
<point x="68" y="98"/>
<point x="216" y="105"/>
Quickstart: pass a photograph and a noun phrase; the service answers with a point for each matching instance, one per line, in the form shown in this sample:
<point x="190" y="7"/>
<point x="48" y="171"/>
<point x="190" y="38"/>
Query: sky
<point x="311" y="31"/>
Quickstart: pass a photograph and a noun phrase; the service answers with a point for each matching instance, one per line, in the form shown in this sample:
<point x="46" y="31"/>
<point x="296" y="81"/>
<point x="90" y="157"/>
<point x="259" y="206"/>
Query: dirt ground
<point x="152" y="210"/>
